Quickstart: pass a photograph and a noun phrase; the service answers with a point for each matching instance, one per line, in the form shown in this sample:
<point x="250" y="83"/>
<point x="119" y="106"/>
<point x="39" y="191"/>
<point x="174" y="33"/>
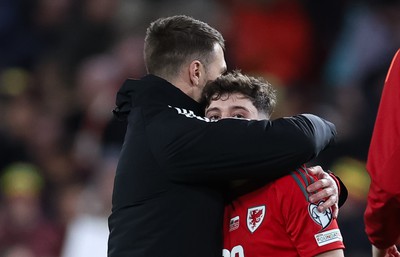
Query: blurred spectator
<point x="271" y="38"/>
<point x="18" y="251"/>
<point x="136" y="15"/>
<point x="97" y="82"/>
<point x="87" y="233"/>
<point x="22" y="221"/>
<point x="18" y="112"/>
<point x="368" y="40"/>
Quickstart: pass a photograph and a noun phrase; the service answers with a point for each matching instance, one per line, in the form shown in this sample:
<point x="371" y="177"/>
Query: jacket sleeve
<point x="191" y="150"/>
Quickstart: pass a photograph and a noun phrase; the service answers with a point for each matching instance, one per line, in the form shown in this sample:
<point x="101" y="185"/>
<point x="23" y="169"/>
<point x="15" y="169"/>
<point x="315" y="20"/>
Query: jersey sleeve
<point x="193" y="149"/>
<point x="382" y="217"/>
<point x="310" y="231"/>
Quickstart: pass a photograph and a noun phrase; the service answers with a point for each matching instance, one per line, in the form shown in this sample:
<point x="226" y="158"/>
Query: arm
<point x="312" y="232"/>
<point x="333" y="253"/>
<point x="234" y="149"/>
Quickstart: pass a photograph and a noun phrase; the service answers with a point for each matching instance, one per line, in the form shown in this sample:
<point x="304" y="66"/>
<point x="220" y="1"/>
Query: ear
<point x="195" y="72"/>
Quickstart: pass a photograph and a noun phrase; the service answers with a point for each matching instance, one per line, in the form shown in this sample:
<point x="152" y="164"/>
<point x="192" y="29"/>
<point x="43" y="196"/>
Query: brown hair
<point x="171" y="42"/>
<point x="258" y="90"/>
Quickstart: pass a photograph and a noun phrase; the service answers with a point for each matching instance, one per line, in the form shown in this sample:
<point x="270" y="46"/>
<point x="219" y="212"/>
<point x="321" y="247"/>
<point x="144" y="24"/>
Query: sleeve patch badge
<point x="328" y="237"/>
<point x="321" y="218"/>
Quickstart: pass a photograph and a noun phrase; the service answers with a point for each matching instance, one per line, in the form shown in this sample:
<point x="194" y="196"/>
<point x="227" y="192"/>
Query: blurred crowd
<point x="62" y="61"/>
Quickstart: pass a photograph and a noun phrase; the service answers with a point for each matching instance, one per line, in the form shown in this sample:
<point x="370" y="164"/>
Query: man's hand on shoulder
<point x="326" y="190"/>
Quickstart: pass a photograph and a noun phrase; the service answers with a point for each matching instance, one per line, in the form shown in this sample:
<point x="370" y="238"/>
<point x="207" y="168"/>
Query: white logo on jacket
<point x="321" y="218"/>
<point x="190" y="114"/>
<point x="255" y="216"/>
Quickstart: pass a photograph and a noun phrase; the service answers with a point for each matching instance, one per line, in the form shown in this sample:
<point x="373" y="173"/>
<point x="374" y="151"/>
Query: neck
<point x="185" y="87"/>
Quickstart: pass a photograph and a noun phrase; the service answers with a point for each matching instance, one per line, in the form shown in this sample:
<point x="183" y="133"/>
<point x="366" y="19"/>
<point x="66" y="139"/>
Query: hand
<point x="325" y="188"/>
<point x="388" y="252"/>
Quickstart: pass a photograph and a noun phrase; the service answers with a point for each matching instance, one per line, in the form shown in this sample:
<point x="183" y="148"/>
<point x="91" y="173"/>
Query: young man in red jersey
<point x="277" y="218"/>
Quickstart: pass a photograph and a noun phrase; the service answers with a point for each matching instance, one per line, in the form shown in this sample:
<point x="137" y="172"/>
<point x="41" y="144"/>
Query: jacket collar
<point x="152" y="90"/>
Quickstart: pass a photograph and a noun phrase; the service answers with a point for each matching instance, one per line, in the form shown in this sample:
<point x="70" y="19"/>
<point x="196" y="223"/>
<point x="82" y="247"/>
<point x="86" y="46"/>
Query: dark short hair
<point x="172" y="41"/>
<point x="259" y="91"/>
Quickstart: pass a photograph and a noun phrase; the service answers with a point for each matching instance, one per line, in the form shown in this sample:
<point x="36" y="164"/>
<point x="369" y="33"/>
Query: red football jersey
<point x="278" y="220"/>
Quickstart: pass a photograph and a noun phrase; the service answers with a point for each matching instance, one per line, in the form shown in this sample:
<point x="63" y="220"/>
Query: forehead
<point x="230" y="105"/>
<point x="230" y="100"/>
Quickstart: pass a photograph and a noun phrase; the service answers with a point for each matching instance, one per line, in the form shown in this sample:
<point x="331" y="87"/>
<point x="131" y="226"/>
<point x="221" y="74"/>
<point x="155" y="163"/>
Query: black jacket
<point x="167" y="199"/>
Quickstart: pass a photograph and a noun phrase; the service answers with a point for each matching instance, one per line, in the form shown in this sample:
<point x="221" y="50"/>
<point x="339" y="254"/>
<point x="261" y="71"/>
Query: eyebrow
<point x="212" y="109"/>
<point x="235" y="107"/>
<point x="238" y="107"/>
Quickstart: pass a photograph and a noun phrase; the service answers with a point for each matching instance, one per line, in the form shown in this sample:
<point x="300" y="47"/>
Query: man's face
<point x="212" y="71"/>
<point x="215" y="68"/>
<point x="234" y="105"/>
<point x="218" y="66"/>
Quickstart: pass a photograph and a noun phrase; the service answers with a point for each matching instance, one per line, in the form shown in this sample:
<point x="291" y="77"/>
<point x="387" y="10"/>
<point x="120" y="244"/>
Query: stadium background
<point x="62" y="61"/>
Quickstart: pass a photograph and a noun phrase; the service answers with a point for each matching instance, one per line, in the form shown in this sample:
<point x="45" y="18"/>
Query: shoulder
<point x="296" y="182"/>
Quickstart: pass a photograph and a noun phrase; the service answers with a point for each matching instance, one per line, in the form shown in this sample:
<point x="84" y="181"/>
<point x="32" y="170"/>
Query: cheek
<point x="201" y="86"/>
<point x="214" y="75"/>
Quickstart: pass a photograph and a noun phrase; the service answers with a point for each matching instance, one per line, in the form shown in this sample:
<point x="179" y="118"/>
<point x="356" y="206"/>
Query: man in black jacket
<point x="174" y="164"/>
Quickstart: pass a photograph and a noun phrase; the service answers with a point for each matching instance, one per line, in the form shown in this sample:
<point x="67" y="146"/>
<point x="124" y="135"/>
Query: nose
<point x="225" y="115"/>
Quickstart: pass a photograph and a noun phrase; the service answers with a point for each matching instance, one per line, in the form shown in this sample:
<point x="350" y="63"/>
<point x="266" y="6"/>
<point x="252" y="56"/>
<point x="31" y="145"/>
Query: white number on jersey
<point x="237" y="251"/>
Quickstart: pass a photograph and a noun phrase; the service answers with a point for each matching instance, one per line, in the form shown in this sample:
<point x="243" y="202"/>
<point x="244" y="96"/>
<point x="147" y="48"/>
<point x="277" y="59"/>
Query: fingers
<point x="330" y="202"/>
<point x="320" y="184"/>
<point x="393" y="251"/>
<point x="335" y="211"/>
<point x="325" y="189"/>
<point x="324" y="180"/>
<point x="317" y="171"/>
<point x="388" y="252"/>
<point x="327" y="192"/>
